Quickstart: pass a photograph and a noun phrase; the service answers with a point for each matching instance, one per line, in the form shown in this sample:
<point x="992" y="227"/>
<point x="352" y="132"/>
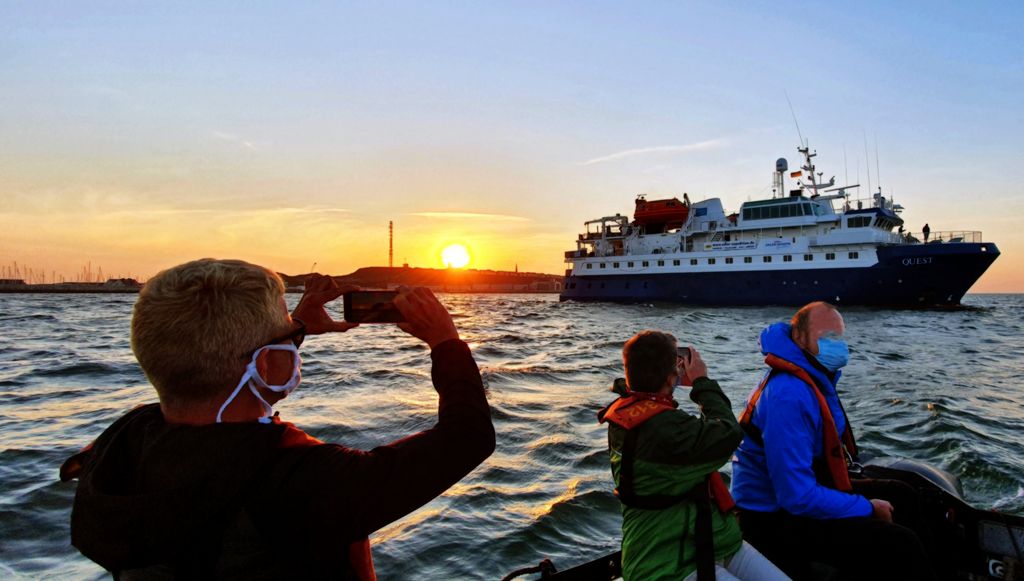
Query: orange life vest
<point x="837" y="448"/>
<point x="637" y="407"/>
<point x="630" y="412"/>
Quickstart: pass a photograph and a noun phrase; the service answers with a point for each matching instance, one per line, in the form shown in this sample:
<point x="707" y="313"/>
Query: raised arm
<point x="715" y="434"/>
<point x="371" y="489"/>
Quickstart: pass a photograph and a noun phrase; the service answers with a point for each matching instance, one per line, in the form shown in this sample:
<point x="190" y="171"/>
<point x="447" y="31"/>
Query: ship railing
<point x="942" y="237"/>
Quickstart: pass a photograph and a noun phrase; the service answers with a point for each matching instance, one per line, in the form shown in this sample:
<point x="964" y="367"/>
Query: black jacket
<point x="159" y="500"/>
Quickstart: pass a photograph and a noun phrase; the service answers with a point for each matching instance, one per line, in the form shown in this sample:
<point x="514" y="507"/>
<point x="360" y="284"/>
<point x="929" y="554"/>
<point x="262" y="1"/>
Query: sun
<point x="455" y="256"/>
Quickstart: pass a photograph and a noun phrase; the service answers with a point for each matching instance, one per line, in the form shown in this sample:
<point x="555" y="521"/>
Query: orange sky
<point x="139" y="137"/>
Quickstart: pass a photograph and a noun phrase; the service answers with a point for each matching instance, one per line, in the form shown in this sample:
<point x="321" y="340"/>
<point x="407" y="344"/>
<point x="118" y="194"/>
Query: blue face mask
<point x="833" y="353"/>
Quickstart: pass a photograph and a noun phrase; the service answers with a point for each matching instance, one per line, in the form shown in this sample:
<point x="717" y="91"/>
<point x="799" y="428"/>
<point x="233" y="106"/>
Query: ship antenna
<point x="846" y="167"/>
<point x="795" y="122"/>
<point x="878" y="169"/>
<point x="867" y="160"/>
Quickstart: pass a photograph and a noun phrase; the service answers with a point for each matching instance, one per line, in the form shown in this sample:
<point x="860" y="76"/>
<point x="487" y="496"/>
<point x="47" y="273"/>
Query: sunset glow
<point x="455" y="256"/>
<point x="299" y="140"/>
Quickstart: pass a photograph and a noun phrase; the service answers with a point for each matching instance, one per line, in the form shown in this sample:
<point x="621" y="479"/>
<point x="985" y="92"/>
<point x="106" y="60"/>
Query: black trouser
<point x="860" y="548"/>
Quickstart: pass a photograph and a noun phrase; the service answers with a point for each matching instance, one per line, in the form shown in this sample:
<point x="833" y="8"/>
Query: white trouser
<point x="746" y="564"/>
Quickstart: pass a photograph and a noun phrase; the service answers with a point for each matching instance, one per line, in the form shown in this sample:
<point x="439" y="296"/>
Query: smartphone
<point x="683" y="352"/>
<point x="371" y="307"/>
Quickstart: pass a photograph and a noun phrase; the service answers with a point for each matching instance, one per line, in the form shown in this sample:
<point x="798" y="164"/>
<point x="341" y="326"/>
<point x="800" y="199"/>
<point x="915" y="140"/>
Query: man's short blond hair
<point x="193" y="324"/>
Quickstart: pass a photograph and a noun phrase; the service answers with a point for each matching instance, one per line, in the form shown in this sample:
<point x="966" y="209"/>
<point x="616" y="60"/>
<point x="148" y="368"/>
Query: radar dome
<point x="781" y="164"/>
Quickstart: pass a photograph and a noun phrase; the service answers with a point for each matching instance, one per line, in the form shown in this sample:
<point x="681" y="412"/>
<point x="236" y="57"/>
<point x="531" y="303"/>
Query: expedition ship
<point x="815" y="243"/>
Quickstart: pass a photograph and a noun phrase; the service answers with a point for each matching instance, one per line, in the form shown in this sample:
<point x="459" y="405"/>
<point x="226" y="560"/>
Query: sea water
<point x="946" y="387"/>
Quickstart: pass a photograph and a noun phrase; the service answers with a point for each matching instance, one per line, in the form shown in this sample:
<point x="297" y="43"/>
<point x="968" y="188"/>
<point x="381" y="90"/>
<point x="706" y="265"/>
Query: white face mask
<point x="252" y="378"/>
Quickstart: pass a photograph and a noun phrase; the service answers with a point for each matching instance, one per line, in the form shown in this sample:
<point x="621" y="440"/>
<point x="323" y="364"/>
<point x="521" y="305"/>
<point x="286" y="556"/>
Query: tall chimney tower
<point x="391" y="244"/>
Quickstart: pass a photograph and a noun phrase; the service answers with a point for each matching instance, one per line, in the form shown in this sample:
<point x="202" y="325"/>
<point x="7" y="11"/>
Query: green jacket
<point x="674" y="452"/>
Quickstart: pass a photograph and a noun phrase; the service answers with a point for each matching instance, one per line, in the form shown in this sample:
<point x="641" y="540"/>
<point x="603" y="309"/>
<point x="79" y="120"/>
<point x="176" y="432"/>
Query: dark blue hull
<point x="913" y="275"/>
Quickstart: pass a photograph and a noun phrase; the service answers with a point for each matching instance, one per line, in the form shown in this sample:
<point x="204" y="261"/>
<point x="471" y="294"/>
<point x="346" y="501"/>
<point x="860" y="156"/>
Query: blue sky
<point x="203" y="115"/>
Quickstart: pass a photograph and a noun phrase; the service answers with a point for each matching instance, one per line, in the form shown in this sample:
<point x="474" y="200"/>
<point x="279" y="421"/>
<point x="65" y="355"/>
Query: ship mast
<point x="808" y="165"/>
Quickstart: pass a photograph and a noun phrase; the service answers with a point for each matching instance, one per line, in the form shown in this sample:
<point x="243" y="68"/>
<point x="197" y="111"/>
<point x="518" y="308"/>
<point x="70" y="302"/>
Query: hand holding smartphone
<point x="416" y="310"/>
<point x="691" y="366"/>
<point x="371" y="306"/>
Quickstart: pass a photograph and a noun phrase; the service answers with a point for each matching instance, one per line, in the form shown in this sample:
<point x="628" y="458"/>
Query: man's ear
<point x="673" y="378"/>
<point x="261" y="363"/>
<point x="275" y="366"/>
<point x="800" y="338"/>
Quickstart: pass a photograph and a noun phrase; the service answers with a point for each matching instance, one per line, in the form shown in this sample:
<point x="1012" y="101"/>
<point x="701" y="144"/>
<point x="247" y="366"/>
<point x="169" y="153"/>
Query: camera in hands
<point x="373" y="306"/>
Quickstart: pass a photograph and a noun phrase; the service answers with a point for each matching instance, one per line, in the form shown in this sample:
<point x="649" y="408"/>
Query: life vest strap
<point x="832" y="467"/>
<point x="710" y="490"/>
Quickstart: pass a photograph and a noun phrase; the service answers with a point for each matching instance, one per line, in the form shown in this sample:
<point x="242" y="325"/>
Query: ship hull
<point x="912" y="275"/>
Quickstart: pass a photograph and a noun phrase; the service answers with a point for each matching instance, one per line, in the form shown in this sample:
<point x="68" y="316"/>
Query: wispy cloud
<point x="470" y="216"/>
<point x="660" y="150"/>
<point x="228" y="212"/>
<point x="307" y="210"/>
<point x="235" y="139"/>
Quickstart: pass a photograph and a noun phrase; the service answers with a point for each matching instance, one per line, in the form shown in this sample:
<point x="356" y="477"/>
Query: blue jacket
<point x="778" y="476"/>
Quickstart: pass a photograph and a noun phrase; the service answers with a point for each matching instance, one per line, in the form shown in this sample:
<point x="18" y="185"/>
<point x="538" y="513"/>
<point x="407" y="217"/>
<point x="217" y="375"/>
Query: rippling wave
<point x="942" y="386"/>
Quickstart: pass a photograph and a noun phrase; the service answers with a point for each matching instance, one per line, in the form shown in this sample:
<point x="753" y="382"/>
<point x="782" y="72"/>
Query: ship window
<point x="645" y="263"/>
<point x="728" y="260"/>
<point x="661" y="263"/>
<point x="858" y="222"/>
<point x="787" y="258"/>
<point x="775" y="212"/>
<point x="615" y="265"/>
<point x="818" y="210"/>
<point x="711" y="261"/>
<point x="693" y="262"/>
<point x="830" y="256"/>
<point x="675" y="263"/>
<point x="746" y="214"/>
<point x="629" y="264"/>
<point x="766" y="258"/>
<point x="854" y="255"/>
<point x="590" y="265"/>
<point x="808" y="257"/>
<point x="787" y="211"/>
<point x="747" y="259"/>
<point x="604" y="265"/>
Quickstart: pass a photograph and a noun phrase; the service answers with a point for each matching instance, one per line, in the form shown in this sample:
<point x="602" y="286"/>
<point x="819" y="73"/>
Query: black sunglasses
<point x="296" y="336"/>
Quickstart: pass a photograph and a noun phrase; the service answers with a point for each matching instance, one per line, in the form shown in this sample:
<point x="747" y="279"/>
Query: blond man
<point x="210" y="483"/>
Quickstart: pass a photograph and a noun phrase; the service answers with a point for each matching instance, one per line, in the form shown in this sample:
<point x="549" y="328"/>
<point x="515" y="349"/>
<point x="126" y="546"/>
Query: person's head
<point x="650" y="361"/>
<point x="815" y="321"/>
<point x="194" y="324"/>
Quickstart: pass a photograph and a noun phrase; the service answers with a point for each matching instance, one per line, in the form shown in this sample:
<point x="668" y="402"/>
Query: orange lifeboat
<point x="660" y="215"/>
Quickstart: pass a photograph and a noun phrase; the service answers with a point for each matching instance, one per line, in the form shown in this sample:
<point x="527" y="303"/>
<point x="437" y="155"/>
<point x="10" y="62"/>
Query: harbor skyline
<point x="138" y="137"/>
